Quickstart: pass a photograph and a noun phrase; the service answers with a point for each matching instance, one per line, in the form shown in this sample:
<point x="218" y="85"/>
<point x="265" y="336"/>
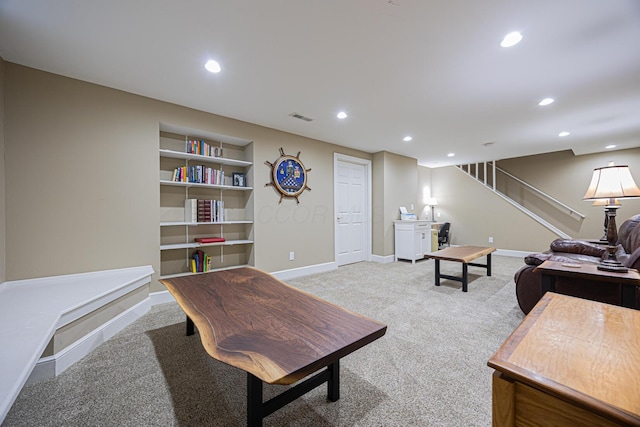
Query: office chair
<point x="443" y="235"/>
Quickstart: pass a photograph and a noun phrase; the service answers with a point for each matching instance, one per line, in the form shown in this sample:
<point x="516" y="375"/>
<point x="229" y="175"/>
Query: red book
<point x="209" y="239"/>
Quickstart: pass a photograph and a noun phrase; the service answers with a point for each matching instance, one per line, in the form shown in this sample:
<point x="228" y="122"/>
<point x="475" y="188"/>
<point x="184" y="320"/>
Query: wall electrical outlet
<point x="292" y="256"/>
<point x="490" y="239"/>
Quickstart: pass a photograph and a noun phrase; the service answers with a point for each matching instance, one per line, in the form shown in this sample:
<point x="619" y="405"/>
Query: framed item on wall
<point x="239" y="179"/>
<point x="288" y="176"/>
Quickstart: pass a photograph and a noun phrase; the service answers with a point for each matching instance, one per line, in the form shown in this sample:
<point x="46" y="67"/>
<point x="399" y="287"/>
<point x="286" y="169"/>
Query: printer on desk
<point x="406" y="216"/>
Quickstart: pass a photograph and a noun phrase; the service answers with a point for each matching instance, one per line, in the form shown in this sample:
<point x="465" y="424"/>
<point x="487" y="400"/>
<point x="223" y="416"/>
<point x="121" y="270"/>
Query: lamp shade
<point x="612" y="182"/>
<point x="431" y="201"/>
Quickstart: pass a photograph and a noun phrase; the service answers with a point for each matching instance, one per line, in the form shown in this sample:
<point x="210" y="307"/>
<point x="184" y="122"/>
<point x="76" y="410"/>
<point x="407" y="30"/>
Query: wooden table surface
<point x="464" y="254"/>
<point x="587" y="271"/>
<point x="580" y="351"/>
<point x="253" y="321"/>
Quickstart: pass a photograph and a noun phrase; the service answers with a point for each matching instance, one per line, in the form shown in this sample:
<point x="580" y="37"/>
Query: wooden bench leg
<point x="465" y="276"/>
<point x="257" y="410"/>
<point x="254" y="401"/>
<point x="333" y="383"/>
<point x="190" y="326"/>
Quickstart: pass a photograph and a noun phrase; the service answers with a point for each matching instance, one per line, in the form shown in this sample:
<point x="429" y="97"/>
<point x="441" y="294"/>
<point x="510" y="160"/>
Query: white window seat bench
<point x="32" y="310"/>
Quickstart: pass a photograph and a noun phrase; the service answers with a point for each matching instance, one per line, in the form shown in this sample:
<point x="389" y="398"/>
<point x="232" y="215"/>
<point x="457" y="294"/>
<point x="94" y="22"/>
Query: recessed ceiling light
<point x="546" y="101"/>
<point x="407" y="138"/>
<point x="610" y="146"/>
<point x="212" y="66"/>
<point x="342" y="115"/>
<point x="564" y="133"/>
<point x="451" y="154"/>
<point x="511" y="39"/>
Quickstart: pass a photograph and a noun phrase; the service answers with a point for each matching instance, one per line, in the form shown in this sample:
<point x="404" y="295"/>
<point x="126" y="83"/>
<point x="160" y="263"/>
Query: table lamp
<point x="431" y="201"/>
<point x="612" y="182"/>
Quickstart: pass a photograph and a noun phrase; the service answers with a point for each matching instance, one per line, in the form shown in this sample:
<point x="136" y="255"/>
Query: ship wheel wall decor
<point x="288" y="176"/>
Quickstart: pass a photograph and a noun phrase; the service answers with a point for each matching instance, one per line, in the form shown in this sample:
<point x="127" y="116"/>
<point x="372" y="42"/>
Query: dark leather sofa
<point x="528" y="282"/>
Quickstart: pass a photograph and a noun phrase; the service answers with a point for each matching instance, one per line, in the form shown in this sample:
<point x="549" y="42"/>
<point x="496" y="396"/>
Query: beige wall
<point x="377" y="201"/>
<point x="306" y="228"/>
<point x="2" y="198"/>
<point x="82" y="170"/>
<point x="81" y="185"/>
<point x="81" y="176"/>
<point x="395" y="183"/>
<point x="476" y="213"/>
<point x="566" y="178"/>
<point x="400" y="189"/>
<point x="424" y="192"/>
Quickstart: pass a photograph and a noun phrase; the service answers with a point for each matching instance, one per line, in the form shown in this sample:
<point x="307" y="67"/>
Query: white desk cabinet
<point x="412" y="239"/>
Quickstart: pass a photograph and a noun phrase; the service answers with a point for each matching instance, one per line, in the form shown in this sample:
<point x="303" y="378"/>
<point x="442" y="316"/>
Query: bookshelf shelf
<point x="197" y="184"/>
<point x="195" y="224"/>
<point x="201" y="158"/>
<point x="230" y="207"/>
<point x="202" y="245"/>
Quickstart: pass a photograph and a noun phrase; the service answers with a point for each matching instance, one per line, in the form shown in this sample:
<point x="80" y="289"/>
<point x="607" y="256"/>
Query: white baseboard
<point x="383" y="259"/>
<point x="51" y="366"/>
<point x="305" y="271"/>
<point x="515" y="254"/>
<point x="161" y="297"/>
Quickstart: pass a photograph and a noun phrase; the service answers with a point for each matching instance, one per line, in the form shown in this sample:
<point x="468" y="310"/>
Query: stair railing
<point x="492" y="186"/>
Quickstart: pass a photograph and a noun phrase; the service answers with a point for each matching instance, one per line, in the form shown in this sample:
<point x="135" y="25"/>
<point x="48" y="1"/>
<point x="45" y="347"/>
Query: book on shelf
<point x="200" y="262"/>
<point x="204" y="211"/>
<point x="209" y="239"/>
<point x="202" y="148"/>
<point x="191" y="210"/>
<point x="199" y="174"/>
<point x="210" y="210"/>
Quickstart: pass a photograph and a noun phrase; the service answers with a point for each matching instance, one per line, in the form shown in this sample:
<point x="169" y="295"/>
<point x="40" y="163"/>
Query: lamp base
<point x="615" y="266"/>
<point x="611" y="263"/>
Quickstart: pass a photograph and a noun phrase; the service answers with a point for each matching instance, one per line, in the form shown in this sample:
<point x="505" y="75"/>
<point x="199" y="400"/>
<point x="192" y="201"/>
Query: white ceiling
<point x="432" y="69"/>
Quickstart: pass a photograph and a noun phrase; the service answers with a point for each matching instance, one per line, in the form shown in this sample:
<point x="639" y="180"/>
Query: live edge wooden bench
<point x="276" y="333"/>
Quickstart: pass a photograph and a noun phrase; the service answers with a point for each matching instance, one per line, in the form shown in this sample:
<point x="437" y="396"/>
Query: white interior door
<point x="352" y="185"/>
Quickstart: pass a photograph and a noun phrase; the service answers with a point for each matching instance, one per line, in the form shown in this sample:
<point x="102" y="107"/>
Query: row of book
<point x="200" y="262"/>
<point x="201" y="148"/>
<point x="200" y="174"/>
<point x="203" y="210"/>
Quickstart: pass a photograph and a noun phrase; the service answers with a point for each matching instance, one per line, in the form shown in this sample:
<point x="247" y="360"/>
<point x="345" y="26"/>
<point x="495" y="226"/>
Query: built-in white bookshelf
<point x="233" y="199"/>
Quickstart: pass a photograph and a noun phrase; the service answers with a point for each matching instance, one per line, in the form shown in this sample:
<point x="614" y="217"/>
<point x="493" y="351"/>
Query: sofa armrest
<point x="578" y="247"/>
<point x="538" y="258"/>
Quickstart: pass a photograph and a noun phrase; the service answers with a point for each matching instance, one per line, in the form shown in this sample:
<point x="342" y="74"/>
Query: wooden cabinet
<point x="209" y="172"/>
<point x="570" y="362"/>
<point x="412" y="239"/>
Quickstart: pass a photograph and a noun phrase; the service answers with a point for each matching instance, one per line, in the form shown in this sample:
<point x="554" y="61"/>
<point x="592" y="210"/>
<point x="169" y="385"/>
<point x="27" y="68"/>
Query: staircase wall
<point x="476" y="213"/>
<point x="566" y="177"/>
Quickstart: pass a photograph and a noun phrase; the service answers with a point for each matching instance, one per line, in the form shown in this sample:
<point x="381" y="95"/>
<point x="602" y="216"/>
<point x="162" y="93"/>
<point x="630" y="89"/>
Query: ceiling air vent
<point x="301" y="117"/>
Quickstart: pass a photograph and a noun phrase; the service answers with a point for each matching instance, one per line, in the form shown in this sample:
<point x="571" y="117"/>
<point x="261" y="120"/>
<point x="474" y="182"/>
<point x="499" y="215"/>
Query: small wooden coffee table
<point x="464" y="255"/>
<point x="276" y="333"/>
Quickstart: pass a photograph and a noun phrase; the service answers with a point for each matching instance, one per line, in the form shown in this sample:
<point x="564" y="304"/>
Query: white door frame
<point x="368" y="214"/>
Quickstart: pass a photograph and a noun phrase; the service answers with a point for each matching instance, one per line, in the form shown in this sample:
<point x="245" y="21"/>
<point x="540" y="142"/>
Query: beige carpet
<point x="428" y="370"/>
